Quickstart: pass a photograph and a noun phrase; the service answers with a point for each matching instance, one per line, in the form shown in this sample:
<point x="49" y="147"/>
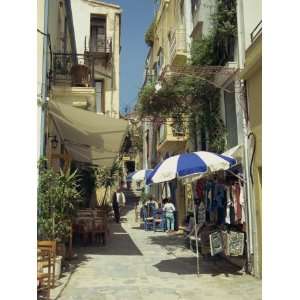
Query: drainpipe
<point x="112" y="67"/>
<point x="188" y="25"/>
<point x="250" y="209"/>
<point x="44" y="79"/>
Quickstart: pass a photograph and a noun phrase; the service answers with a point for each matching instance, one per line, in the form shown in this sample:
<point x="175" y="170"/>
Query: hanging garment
<point x="236" y="202"/>
<point x="242" y="202"/>
<point x="228" y="217"/>
<point x="219" y="194"/>
<point x="201" y="214"/>
<point x="200" y="189"/>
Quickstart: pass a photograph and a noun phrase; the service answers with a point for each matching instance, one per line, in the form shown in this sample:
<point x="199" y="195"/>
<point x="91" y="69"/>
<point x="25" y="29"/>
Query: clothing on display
<point x="242" y="202"/>
<point x="237" y="206"/>
<point x="201" y="214"/>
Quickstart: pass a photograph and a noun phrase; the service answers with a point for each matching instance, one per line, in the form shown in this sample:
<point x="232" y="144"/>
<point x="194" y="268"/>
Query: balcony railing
<point x="177" y="43"/>
<point x="73" y="69"/>
<point x="98" y="46"/>
<point x="256" y="31"/>
<point x="172" y="131"/>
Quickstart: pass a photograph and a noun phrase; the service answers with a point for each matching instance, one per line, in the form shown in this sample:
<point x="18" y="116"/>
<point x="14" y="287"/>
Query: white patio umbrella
<point x="140" y="175"/>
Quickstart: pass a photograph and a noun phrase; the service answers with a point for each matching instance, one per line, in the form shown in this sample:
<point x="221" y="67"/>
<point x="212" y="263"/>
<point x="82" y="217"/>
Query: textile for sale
<point x="235" y="242"/>
<point x="242" y="202"/>
<point x="201" y="214"/>
<point x="216" y="244"/>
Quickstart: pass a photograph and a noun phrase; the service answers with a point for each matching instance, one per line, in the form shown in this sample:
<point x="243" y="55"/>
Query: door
<point x="98" y="34"/>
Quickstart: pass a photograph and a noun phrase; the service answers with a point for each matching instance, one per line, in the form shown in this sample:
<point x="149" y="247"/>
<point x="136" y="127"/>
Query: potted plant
<point x="80" y="75"/>
<point x="106" y="178"/>
<point x="58" y="198"/>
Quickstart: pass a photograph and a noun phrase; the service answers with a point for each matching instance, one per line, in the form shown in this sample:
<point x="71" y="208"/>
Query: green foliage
<point x="195" y="96"/>
<point x="202" y="51"/>
<point x="58" y="198"/>
<point x="108" y="177"/>
<point x="217" y="47"/>
<point x="149" y="35"/>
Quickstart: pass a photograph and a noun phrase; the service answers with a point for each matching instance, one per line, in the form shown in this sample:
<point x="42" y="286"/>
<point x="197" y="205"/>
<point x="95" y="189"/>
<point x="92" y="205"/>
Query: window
<point x="100" y="98"/>
<point x="98" y="34"/>
<point x="230" y="117"/>
<point x="160" y="62"/>
<point x="195" y="5"/>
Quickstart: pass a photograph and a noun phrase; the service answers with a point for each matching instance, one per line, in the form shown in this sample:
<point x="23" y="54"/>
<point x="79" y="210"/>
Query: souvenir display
<point x="216" y="244"/>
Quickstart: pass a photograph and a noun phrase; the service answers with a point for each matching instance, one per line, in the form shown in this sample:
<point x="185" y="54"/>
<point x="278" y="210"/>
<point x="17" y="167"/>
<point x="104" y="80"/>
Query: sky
<point x="137" y="15"/>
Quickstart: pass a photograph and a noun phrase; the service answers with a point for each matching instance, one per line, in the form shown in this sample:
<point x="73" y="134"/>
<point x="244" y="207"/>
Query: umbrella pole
<point x="196" y="235"/>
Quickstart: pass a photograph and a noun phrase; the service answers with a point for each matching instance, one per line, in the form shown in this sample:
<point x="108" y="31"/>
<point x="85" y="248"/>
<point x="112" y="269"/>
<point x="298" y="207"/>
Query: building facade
<point x="250" y="45"/>
<point x="80" y="83"/>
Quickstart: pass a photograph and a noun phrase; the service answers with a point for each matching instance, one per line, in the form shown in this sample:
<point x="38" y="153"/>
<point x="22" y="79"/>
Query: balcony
<point x="172" y="137"/>
<point x="178" y="49"/>
<point x="100" y="47"/>
<point x="74" y="70"/>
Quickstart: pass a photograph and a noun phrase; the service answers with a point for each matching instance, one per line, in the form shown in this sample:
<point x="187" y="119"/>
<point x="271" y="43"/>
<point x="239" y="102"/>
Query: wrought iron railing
<point x="64" y="65"/>
<point x="256" y="31"/>
<point x="177" y="42"/>
<point x="99" y="45"/>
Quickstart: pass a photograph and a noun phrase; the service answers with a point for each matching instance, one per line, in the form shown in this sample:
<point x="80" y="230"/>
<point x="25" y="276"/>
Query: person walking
<point x="169" y="209"/>
<point x="117" y="202"/>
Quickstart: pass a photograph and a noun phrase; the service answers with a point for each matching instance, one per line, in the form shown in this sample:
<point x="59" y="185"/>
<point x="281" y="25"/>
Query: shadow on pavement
<point x="118" y="242"/>
<point x="188" y="266"/>
<point x="167" y="241"/>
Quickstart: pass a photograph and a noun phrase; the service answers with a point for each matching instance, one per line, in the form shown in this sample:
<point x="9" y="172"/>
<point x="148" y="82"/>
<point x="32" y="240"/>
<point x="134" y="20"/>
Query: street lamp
<point x="54" y="142"/>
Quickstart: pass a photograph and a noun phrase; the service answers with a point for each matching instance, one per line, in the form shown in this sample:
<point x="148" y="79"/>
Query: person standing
<point x="169" y="210"/>
<point x="117" y="202"/>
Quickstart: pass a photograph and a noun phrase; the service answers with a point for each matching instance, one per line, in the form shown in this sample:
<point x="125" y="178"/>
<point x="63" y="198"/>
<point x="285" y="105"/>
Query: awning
<point x="89" y="137"/>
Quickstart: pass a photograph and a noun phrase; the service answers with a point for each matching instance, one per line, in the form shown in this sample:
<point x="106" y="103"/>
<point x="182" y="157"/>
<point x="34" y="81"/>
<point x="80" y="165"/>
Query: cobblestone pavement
<point x="139" y="265"/>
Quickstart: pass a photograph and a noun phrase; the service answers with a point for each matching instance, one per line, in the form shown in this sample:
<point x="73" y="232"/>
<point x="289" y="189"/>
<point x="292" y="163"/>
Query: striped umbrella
<point x="190" y="166"/>
<point x="140" y="175"/>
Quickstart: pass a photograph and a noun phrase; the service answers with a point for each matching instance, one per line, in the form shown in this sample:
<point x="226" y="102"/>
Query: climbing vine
<point x="194" y="96"/>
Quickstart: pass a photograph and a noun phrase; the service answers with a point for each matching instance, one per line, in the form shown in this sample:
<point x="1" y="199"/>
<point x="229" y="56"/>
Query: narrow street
<point x="139" y="265"/>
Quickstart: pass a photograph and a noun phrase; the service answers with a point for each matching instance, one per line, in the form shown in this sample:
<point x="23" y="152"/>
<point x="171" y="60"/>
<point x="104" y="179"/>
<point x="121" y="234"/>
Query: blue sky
<point x="136" y="17"/>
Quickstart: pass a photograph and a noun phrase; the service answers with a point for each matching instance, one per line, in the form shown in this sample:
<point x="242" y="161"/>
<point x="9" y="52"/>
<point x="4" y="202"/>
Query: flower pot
<point x="58" y="263"/>
<point x="61" y="249"/>
<point x="80" y="75"/>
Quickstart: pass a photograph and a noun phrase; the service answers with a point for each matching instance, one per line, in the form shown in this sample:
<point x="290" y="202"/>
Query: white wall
<point x="40" y="47"/>
<point x="252" y="16"/>
<point x="82" y="11"/>
<point x="203" y="14"/>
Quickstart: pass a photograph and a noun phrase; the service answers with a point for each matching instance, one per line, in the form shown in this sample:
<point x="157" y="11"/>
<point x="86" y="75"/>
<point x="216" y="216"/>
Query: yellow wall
<point x="253" y="77"/>
<point x="167" y="20"/>
<point x="254" y="95"/>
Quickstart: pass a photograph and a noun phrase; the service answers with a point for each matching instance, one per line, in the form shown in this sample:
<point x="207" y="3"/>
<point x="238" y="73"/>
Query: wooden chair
<point x="43" y="278"/>
<point x="159" y="221"/>
<point x="51" y="247"/>
<point x="100" y="229"/>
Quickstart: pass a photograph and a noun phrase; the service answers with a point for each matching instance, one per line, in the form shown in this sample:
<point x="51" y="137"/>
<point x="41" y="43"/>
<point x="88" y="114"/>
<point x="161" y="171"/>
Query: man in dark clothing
<point x="116" y="207"/>
<point x="117" y="201"/>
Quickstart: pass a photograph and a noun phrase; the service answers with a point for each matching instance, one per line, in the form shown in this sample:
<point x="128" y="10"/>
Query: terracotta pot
<point x="80" y="75"/>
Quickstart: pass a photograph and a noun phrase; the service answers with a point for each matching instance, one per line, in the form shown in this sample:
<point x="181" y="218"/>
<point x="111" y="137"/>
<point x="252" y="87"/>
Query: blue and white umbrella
<point x="190" y="166"/>
<point x="140" y="175"/>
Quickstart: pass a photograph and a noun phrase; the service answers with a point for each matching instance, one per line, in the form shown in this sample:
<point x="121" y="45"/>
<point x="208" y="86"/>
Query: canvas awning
<point x="89" y="137"/>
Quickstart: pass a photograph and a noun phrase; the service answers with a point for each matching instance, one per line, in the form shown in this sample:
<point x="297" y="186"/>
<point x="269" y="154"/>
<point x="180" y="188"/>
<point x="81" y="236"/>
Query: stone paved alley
<point x="139" y="265"/>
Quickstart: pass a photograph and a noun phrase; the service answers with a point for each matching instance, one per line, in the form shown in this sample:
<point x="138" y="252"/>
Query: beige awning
<point x="89" y="137"/>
